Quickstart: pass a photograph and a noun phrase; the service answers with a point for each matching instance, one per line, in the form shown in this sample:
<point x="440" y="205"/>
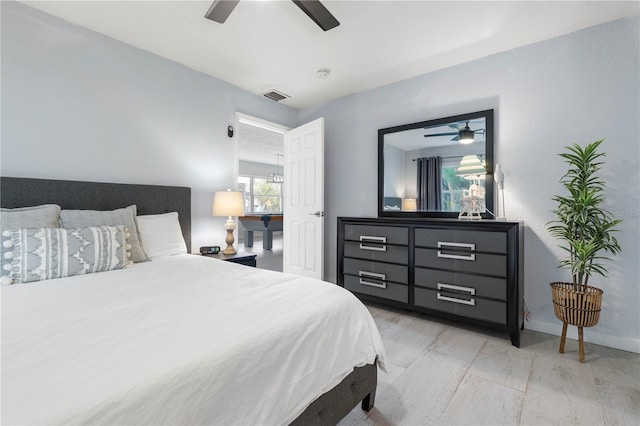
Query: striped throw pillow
<point x="47" y="253"/>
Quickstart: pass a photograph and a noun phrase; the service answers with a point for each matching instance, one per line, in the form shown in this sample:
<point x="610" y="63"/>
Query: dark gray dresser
<point x="465" y="270"/>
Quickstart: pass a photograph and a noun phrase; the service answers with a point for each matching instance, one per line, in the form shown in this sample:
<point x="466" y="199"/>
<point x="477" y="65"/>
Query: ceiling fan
<point x="464" y="135"/>
<point x="221" y="9"/>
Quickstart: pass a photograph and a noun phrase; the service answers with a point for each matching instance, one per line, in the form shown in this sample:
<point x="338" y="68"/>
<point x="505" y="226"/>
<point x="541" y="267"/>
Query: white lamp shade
<point x="470" y="166"/>
<point x="228" y="203"/>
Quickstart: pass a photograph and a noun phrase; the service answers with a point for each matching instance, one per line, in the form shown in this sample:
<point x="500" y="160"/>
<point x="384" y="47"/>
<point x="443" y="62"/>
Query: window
<point x="452" y="187"/>
<point x="260" y="194"/>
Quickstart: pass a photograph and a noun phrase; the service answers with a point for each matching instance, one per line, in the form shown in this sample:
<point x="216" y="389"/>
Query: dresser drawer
<point x="492" y="242"/>
<point x="466" y="306"/>
<point x="386" y="253"/>
<point x="495" y="288"/>
<point x="477" y="263"/>
<point x="375" y="234"/>
<point x="386" y="290"/>
<point x="383" y="271"/>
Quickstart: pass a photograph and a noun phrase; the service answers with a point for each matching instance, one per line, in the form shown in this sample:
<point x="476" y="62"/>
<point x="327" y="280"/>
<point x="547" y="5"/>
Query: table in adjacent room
<point x="267" y="224"/>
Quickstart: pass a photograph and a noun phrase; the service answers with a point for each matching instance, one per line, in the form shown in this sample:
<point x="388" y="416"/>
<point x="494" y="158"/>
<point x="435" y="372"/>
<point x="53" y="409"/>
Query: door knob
<point x="317" y="214"/>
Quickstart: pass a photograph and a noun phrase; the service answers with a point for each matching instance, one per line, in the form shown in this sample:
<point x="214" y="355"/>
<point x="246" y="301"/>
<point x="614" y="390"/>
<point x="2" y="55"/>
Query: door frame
<point x="242" y="118"/>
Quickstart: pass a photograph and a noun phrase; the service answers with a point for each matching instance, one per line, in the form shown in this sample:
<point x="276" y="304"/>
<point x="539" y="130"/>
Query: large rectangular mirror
<point x="429" y="168"/>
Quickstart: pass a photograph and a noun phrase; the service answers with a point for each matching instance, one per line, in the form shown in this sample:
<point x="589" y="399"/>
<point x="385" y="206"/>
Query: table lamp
<point x="228" y="203"/>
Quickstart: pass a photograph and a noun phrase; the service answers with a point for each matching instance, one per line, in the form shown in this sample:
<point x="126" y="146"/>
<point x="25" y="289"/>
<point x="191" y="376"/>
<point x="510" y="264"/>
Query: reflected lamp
<point x="471" y="167"/>
<point x="409" y="205"/>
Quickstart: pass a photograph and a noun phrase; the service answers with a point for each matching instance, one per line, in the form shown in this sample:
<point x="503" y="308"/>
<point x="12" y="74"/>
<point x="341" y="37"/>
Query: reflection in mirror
<point x="437" y="168"/>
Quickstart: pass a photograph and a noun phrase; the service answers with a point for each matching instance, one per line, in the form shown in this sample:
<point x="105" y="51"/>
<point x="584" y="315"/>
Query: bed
<point x="180" y="339"/>
<point x="392" y="203"/>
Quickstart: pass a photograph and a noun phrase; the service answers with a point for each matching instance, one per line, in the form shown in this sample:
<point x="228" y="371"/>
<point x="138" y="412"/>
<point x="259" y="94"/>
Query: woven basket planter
<point x="576" y="307"/>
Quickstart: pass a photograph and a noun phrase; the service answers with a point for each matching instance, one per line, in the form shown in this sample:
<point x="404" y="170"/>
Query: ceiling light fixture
<point x="220" y="10"/>
<point x="278" y="177"/>
<point x="466" y="135"/>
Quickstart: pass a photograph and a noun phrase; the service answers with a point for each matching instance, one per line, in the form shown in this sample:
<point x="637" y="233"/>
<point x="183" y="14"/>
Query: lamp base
<point x="469" y="216"/>
<point x="472" y="206"/>
<point x="230" y="225"/>
<point x="229" y="250"/>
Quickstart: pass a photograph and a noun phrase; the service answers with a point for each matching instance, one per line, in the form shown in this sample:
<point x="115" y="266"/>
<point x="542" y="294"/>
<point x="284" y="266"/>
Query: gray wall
<point x="78" y="105"/>
<point x="575" y="88"/>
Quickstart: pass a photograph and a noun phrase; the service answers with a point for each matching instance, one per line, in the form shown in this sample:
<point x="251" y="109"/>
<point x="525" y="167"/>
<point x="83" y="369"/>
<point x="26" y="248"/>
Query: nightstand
<point x="241" y="258"/>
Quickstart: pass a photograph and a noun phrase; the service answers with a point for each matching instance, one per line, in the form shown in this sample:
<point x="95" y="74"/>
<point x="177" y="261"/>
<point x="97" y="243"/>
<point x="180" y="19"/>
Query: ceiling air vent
<point x="274" y="95"/>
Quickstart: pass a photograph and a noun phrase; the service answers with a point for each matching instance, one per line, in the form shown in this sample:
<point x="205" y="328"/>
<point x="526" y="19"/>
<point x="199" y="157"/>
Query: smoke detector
<point x="323" y="72"/>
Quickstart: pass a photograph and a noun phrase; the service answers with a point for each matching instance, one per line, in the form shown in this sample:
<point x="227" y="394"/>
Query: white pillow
<point x="161" y="234"/>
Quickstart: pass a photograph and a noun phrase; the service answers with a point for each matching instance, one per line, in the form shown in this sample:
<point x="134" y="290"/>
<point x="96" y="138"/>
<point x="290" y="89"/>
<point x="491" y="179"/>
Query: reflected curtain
<point x="429" y="183"/>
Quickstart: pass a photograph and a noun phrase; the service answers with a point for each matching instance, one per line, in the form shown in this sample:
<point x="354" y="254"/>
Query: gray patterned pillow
<point x="44" y="216"/>
<point x="125" y="216"/>
<point x="47" y="253"/>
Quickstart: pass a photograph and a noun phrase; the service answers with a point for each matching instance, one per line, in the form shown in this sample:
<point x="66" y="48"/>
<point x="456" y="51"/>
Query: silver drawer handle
<point x="472" y="292"/>
<point x="471" y="302"/>
<point x="377" y="241"/>
<point x="445" y="245"/>
<point x="365" y="274"/>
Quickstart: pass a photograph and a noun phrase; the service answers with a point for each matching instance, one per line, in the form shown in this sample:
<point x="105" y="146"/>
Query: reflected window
<point x="452" y="188"/>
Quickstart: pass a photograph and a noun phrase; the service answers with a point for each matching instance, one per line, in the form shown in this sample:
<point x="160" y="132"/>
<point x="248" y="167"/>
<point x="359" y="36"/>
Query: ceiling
<point x="266" y="45"/>
<point x="260" y="145"/>
<point x="414" y="139"/>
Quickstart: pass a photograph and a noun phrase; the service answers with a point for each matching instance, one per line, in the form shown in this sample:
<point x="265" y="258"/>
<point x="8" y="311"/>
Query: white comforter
<point x="178" y="340"/>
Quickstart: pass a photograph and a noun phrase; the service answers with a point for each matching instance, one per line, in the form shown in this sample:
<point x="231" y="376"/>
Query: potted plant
<point x="586" y="231"/>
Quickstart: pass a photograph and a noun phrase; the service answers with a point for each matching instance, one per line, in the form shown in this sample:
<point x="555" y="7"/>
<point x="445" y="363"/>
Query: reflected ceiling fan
<point x="221" y="9"/>
<point x="463" y="135"/>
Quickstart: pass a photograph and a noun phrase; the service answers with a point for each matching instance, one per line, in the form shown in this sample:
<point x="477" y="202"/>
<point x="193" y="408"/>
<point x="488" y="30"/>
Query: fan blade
<point x="318" y="13"/>
<point x="220" y="10"/>
<point x="441" y="134"/>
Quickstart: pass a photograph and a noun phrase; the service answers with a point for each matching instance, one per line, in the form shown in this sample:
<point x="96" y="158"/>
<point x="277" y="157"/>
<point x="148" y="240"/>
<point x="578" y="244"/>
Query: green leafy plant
<point x="586" y="228"/>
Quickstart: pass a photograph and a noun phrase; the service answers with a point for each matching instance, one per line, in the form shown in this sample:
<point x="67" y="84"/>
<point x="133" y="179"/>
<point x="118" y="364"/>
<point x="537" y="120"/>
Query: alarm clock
<point x="209" y="250"/>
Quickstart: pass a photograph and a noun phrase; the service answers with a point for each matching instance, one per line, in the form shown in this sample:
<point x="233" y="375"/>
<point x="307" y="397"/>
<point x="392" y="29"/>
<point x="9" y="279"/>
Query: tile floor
<point x="439" y="373"/>
<point x="448" y="373"/>
<point x="267" y="259"/>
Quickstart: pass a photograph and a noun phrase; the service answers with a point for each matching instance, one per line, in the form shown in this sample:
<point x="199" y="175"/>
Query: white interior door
<point x="303" y="234"/>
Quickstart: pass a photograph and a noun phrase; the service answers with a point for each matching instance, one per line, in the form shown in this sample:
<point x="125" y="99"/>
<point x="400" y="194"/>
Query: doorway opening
<point x="260" y="171"/>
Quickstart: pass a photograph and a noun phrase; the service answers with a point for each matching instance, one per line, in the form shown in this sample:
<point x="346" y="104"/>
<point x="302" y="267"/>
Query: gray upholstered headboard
<point x="149" y="199"/>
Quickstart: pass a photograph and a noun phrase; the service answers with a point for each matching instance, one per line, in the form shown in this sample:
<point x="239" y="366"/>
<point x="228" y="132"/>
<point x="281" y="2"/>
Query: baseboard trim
<point x="590" y="335"/>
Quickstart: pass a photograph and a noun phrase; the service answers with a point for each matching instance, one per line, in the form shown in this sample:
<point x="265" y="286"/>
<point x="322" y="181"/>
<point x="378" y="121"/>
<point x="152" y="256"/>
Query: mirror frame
<point x="489" y="141"/>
